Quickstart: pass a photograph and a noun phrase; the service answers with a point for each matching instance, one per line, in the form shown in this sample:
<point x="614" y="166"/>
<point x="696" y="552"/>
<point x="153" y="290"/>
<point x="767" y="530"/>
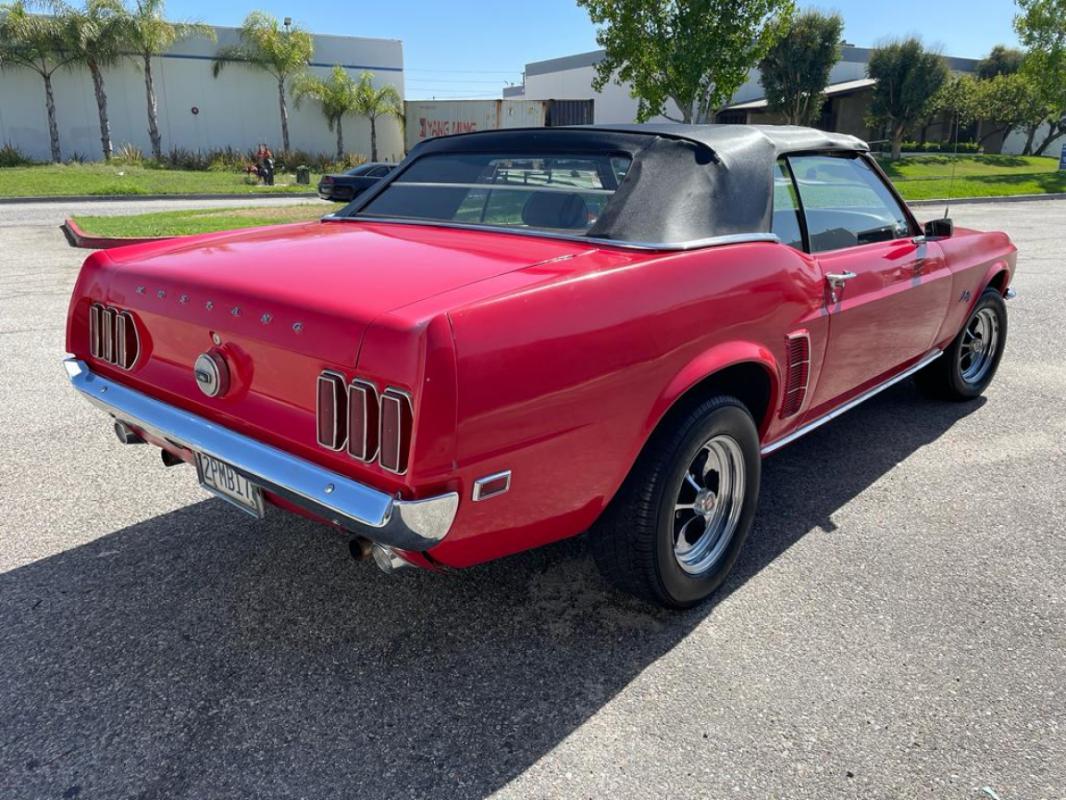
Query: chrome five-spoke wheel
<point x="675" y="529"/>
<point x="970" y="362"/>
<point x="980" y="340"/>
<point x="709" y="504"/>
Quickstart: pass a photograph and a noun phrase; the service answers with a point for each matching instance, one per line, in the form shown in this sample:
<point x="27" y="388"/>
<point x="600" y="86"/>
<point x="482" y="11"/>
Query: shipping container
<point x="426" y="119"/>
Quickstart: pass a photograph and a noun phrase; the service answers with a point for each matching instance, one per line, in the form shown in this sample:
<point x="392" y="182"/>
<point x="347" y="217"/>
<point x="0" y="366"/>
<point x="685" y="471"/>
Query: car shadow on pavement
<point x="201" y="653"/>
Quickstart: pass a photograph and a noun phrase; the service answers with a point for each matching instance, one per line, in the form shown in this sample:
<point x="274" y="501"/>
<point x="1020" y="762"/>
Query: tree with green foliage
<point x="696" y="53"/>
<point x="149" y="34"/>
<point x="1004" y="103"/>
<point x="337" y="95"/>
<point x="373" y="103"/>
<point x="954" y="100"/>
<point x="281" y="51"/>
<point x="1001" y="60"/>
<point x="37" y="42"/>
<point x="96" y="36"/>
<point x="908" y="77"/>
<point x="796" y="70"/>
<point x="1041" y="27"/>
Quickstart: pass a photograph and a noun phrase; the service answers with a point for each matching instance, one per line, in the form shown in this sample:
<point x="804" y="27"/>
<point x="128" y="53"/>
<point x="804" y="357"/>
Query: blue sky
<point x="462" y="48"/>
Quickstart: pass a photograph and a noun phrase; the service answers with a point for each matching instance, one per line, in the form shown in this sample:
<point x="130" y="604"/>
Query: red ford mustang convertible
<point x="522" y="335"/>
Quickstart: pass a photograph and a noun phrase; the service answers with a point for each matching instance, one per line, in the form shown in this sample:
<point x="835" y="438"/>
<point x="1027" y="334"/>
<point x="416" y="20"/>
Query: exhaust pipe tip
<point x="169" y="459"/>
<point x="360" y="548"/>
<point x="126" y="434"/>
<point x="387" y="559"/>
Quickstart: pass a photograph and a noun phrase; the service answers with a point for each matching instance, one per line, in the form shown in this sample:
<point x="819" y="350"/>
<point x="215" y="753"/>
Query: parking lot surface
<point x="895" y="628"/>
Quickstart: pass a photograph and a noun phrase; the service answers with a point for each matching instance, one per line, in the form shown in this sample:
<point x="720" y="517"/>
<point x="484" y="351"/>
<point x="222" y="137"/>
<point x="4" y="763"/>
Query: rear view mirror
<point x="939" y="228"/>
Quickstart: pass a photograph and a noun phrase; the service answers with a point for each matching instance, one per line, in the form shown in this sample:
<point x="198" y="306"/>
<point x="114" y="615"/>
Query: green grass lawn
<point x="208" y="220"/>
<point x="929" y="177"/>
<point x="58" y="180"/>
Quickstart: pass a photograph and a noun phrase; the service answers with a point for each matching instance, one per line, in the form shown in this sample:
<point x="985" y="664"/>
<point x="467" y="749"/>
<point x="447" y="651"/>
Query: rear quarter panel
<point x="563" y="381"/>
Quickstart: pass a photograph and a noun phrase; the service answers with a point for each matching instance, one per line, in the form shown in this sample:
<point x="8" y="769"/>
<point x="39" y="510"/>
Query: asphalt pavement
<point x="895" y="628"/>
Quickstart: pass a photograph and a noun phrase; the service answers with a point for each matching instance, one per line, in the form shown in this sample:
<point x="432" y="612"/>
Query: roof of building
<point x="593" y="57"/>
<point x="832" y="90"/>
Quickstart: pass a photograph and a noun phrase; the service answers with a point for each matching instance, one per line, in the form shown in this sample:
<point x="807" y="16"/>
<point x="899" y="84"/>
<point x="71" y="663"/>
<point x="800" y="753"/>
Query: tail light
<point x="113" y="336"/>
<point x="363" y="421"/>
<point x="396" y="421"/>
<point x="330" y="411"/>
<point x="373" y="427"/>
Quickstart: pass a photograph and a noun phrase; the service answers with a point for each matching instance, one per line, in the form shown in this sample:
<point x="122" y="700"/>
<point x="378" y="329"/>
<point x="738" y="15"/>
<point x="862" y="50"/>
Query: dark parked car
<point x="349" y="185"/>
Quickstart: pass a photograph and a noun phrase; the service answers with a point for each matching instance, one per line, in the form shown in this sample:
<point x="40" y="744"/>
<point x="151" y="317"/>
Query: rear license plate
<point x="222" y="479"/>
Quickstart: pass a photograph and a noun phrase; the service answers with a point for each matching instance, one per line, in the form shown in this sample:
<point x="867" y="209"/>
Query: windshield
<point x="544" y="192"/>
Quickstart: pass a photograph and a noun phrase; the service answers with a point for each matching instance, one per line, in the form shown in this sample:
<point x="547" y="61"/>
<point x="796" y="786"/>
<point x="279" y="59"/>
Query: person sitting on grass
<point x="264" y="160"/>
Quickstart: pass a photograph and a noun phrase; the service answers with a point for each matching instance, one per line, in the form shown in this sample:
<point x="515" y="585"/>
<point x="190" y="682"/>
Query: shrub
<point x="317" y="162"/>
<point x="930" y="147"/>
<point x="11" y="156"/>
<point x="128" y="154"/>
<point x="117" y="188"/>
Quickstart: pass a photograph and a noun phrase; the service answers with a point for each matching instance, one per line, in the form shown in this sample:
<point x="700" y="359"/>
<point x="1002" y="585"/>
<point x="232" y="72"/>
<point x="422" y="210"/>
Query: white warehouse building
<point x="197" y="111"/>
<point x="848" y="92"/>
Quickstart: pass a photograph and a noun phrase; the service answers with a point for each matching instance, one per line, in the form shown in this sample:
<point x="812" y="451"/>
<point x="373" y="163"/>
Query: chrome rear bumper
<point x="405" y="524"/>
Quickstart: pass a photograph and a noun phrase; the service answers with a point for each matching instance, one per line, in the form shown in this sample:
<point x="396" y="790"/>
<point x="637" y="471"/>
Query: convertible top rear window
<point x="559" y="192"/>
<point x="660" y="186"/>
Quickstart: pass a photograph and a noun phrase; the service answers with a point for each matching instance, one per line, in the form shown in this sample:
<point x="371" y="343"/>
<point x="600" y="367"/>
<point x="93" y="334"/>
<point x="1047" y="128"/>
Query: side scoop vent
<point x="798" y="370"/>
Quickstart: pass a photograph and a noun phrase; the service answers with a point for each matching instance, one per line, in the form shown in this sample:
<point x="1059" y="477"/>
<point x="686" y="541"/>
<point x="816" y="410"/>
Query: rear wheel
<point x="971" y="360"/>
<point x="675" y="529"/>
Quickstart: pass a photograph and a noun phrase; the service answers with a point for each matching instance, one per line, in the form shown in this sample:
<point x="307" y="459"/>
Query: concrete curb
<point x="78" y="238"/>
<point x="1010" y="198"/>
<point x="112" y="198"/>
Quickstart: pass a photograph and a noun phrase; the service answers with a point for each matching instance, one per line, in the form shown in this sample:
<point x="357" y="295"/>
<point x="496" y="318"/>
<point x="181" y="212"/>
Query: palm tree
<point x="96" y="35"/>
<point x="148" y="34"/>
<point x="281" y="52"/>
<point x="37" y="42"/>
<point x="336" y="94"/>
<point x="373" y="103"/>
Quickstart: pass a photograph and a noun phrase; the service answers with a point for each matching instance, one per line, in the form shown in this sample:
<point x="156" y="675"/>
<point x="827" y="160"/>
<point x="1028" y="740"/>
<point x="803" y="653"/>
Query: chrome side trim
<point x="1010" y="294"/>
<point x="924" y="361"/>
<point x="480" y="484"/>
<point x="414" y="525"/>
<point x="694" y="244"/>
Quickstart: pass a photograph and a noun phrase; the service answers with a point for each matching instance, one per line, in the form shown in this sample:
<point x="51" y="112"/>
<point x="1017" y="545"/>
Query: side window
<point x="378" y="172"/>
<point x="786" y="223"/>
<point x="846" y="203"/>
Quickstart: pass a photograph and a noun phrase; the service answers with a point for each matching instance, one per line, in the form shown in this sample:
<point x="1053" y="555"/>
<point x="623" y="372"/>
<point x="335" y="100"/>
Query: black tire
<point x="952" y="376"/>
<point x="634" y="541"/>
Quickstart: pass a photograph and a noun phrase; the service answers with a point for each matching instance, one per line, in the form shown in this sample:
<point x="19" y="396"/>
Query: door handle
<point x="836" y="281"/>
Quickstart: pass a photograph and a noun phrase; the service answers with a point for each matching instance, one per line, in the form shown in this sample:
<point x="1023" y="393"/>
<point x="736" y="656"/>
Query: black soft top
<point x="686" y="183"/>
